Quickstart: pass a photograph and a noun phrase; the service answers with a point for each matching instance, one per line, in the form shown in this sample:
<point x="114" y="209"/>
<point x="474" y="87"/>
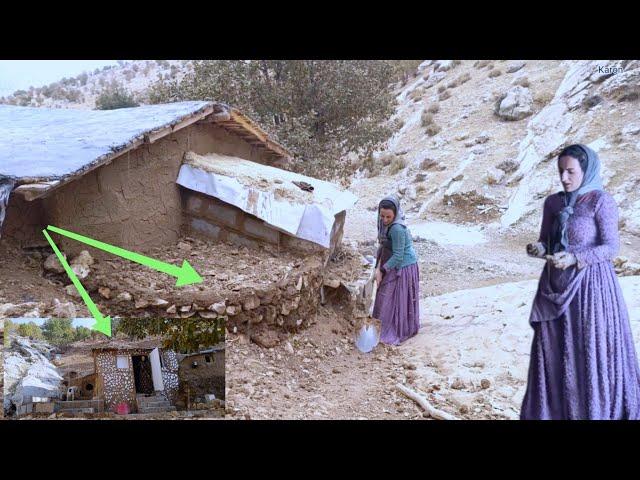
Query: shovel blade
<point x="367" y="338"/>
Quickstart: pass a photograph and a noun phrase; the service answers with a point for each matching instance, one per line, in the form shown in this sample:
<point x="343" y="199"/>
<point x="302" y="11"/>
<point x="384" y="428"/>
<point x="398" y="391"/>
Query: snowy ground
<point x="480" y="334"/>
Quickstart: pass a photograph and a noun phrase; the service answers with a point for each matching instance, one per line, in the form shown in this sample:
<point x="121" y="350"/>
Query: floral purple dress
<point x="583" y="361"/>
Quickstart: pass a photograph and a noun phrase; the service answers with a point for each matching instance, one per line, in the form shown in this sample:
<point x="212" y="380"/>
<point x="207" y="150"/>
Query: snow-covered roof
<point x="49" y="143"/>
<point x="47" y="147"/>
<point x="271" y="194"/>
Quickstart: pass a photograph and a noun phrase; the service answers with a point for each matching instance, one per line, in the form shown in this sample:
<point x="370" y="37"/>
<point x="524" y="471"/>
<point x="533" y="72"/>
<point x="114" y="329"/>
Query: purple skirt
<point x="583" y="364"/>
<point x="397" y="304"/>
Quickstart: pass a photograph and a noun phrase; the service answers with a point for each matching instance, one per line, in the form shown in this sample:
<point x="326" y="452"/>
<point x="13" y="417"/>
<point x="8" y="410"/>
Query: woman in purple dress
<point x="398" y="296"/>
<point x="583" y="362"/>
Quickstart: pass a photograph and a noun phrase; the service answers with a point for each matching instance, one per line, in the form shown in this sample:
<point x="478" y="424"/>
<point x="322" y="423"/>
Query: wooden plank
<point x="157" y="134"/>
<point x="195" y="118"/>
<point x="31" y="191"/>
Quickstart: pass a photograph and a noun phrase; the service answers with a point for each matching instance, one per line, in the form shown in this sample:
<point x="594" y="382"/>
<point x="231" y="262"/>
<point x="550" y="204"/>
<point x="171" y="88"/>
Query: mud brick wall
<point x="24" y="222"/>
<point x="204" y="379"/>
<point x="212" y="218"/>
<point x="133" y="202"/>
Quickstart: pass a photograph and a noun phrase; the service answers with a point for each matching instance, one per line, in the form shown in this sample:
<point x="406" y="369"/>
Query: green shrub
<point x="113" y="97"/>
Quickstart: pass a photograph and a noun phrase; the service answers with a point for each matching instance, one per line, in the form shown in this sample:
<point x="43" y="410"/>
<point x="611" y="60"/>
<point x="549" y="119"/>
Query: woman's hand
<point x="378" y="276"/>
<point x="563" y="260"/>
<point x="536" y="250"/>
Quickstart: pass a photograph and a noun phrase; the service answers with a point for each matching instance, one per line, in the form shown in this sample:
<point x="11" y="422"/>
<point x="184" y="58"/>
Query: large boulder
<point x="516" y="104"/>
<point x="29" y="372"/>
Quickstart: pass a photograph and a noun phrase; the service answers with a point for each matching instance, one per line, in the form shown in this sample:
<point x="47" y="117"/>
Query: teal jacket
<point x="403" y="253"/>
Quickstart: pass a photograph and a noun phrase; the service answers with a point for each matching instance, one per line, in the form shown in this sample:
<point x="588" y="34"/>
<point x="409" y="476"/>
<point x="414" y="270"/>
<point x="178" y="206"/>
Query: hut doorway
<point x="142" y="374"/>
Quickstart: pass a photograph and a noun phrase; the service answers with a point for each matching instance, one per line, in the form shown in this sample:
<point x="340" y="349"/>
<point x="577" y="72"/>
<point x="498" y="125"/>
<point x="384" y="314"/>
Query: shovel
<point x="368" y="330"/>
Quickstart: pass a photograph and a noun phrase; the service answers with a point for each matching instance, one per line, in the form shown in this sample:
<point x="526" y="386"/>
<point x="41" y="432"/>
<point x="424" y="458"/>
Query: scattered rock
<point x="185" y="308"/>
<point x="484" y="383"/>
<point x="141" y="303"/>
<point x="514" y="67"/>
<point x="63" y="310"/>
<point x="252" y="302"/>
<point x="515" y="105"/>
<point x="172" y="309"/>
<point x="124" y="297"/>
<point x="233" y="310"/>
<point x="289" y="348"/>
<point x="159" y="302"/>
<point x="104" y="292"/>
<point x="52" y="264"/>
<point x="81" y="271"/>
<point x="84" y="258"/>
<point x="184" y="246"/>
<point x="72" y="291"/>
<point x="219" y="307"/>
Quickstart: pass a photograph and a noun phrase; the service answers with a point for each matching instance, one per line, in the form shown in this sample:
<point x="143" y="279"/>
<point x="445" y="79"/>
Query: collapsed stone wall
<point x="133" y="202"/>
<point x="209" y="217"/>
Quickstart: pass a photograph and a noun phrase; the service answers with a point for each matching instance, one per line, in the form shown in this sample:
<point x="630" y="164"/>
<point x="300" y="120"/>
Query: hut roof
<point x="44" y="148"/>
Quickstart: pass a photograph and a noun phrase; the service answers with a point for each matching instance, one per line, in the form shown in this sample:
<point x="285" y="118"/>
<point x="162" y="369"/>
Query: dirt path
<point x="469" y="359"/>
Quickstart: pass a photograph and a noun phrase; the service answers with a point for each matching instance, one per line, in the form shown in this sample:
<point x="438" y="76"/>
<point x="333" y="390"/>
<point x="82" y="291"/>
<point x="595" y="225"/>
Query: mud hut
<point x="140" y="374"/>
<point x="202" y="373"/>
<point x="141" y="177"/>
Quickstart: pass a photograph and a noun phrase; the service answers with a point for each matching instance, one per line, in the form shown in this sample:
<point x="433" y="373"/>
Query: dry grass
<point x="432" y="129"/>
<point x="420" y="177"/>
<point x="445" y="95"/>
<point x="426" y="119"/>
<point x="523" y="82"/>
<point x="421" y="189"/>
<point x="442" y="88"/>
<point x="543" y="98"/>
<point x="416" y="94"/>
<point x="397" y="165"/>
<point x="481" y="63"/>
<point x="433" y="108"/>
<point x="428" y="164"/>
<point x="507" y="166"/>
<point x="496" y="72"/>
<point x="387" y="159"/>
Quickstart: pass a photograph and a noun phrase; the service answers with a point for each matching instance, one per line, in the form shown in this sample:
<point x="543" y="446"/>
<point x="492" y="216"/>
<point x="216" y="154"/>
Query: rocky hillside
<point x="29" y="371"/>
<point x="478" y="138"/>
<point x="81" y="91"/>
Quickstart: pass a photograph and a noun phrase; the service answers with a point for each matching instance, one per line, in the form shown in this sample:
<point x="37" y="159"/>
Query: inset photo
<point x="151" y="369"/>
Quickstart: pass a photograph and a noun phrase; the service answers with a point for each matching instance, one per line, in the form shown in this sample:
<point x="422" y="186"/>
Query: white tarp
<point x="269" y="194"/>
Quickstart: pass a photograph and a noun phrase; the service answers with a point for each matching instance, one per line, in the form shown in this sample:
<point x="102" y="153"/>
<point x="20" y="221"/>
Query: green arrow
<point x="186" y="274"/>
<point x="103" y="324"/>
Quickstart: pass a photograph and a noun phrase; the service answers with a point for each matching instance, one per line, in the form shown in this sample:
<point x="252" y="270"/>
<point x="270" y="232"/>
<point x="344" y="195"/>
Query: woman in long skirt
<point x="398" y="296"/>
<point x="583" y="361"/>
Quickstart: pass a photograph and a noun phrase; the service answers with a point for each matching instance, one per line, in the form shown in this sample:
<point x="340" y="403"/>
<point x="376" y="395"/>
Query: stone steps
<point x="153" y="404"/>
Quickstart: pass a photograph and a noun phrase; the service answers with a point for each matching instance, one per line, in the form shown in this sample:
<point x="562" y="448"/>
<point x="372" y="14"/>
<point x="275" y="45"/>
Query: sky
<point x="22" y="74"/>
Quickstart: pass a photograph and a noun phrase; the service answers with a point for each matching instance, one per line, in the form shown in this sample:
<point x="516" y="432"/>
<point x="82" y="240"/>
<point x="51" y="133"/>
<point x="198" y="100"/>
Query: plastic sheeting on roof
<point x="269" y="194"/>
<point x="54" y="143"/>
